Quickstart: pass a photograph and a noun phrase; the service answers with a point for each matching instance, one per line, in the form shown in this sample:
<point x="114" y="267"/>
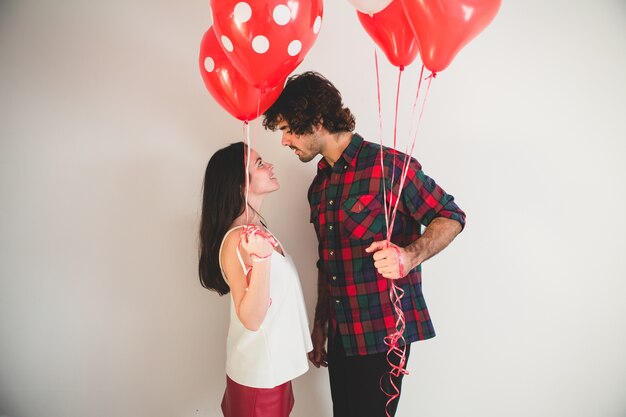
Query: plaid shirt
<point x="347" y="210"/>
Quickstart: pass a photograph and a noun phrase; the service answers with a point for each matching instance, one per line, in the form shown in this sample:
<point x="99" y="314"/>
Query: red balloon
<point x="391" y="30"/>
<point x="443" y="27"/>
<point x="370" y="6"/>
<point x="266" y="39"/>
<point x="228" y="87"/>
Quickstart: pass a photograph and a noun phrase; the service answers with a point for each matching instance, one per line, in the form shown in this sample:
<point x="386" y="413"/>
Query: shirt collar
<point x="347" y="157"/>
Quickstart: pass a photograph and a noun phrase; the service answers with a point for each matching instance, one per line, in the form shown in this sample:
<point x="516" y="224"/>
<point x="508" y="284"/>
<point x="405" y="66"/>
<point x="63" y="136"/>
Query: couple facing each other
<point x="268" y="337"/>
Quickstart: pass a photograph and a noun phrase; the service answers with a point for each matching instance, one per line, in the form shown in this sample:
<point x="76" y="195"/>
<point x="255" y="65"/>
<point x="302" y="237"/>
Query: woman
<point x="268" y="336"/>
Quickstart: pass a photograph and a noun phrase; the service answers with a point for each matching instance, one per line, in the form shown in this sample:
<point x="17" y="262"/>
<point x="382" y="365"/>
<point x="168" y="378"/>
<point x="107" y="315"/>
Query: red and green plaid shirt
<point x="348" y="214"/>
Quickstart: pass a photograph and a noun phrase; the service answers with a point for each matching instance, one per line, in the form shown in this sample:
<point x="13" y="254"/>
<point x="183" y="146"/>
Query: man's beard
<point x="306" y="158"/>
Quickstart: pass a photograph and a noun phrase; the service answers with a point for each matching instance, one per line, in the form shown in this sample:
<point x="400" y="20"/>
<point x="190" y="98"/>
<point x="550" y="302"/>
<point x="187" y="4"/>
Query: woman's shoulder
<point x="229" y="259"/>
<point x="231" y="240"/>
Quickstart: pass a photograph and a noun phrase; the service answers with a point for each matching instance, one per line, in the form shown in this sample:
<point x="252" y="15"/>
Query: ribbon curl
<point x="397" y="348"/>
<point x="252" y="230"/>
<point x="396" y="341"/>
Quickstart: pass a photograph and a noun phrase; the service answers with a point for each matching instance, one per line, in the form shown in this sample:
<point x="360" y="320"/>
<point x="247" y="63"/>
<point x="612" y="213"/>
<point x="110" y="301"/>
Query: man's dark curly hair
<point x="307" y="100"/>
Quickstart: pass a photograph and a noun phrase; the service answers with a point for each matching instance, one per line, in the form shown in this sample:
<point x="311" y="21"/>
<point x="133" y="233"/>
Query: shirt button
<point x="331" y="202"/>
<point x="331" y="253"/>
<point x="330" y="227"/>
<point x="337" y="301"/>
<point x="334" y="277"/>
<point x="345" y="167"/>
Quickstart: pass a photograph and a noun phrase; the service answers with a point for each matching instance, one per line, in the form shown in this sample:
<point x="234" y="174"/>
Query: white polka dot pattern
<point x="260" y="44"/>
<point x="243" y="12"/>
<point x="228" y="45"/>
<point x="265" y="39"/>
<point x="209" y="64"/>
<point x="294" y="47"/>
<point x="281" y="15"/>
<point x="317" y="25"/>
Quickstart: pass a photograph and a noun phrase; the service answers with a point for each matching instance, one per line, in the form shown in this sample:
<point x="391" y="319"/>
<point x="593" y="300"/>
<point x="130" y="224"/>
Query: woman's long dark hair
<point x="222" y="203"/>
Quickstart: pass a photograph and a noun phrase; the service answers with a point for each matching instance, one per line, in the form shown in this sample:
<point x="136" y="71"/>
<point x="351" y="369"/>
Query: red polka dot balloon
<point x="228" y="87"/>
<point x="266" y="39"/>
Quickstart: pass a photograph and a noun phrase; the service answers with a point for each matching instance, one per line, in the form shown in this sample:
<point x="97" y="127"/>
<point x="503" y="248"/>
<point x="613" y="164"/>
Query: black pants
<point x="355" y="382"/>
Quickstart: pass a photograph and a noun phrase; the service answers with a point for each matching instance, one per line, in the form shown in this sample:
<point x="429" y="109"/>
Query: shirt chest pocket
<point x="363" y="216"/>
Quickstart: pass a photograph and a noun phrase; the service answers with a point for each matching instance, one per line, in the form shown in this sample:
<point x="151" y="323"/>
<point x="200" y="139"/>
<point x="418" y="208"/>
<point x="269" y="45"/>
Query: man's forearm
<point x="322" y="308"/>
<point x="439" y="233"/>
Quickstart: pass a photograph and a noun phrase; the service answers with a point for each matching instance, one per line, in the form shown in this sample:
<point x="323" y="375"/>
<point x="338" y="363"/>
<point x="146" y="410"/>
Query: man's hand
<point x="439" y="233"/>
<point x="391" y="261"/>
<point x="318" y="355"/>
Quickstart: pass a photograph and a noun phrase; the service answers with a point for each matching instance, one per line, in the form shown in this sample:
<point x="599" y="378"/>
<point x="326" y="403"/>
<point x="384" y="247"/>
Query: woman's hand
<point x="255" y="246"/>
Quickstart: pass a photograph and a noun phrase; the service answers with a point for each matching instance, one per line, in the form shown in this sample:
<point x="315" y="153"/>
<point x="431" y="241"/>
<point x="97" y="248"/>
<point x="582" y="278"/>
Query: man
<point x="355" y="265"/>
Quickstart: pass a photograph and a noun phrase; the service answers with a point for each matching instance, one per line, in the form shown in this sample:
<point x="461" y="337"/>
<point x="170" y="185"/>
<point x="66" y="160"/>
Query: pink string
<point x="246" y="141"/>
<point x="396" y="341"/>
<point x="395" y="137"/>
<point x="382" y="165"/>
<point x="405" y="168"/>
<point x="417" y="94"/>
<point x="397" y="348"/>
<point x="401" y="270"/>
<point x="247" y="152"/>
<point x="252" y="230"/>
<point x="258" y="113"/>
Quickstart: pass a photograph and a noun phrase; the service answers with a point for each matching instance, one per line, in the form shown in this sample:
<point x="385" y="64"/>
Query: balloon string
<point x="246" y="150"/>
<point x="413" y="111"/>
<point x="397" y="348"/>
<point x="380" y="126"/>
<point x="401" y="270"/>
<point x="413" y="123"/>
<point x="251" y="230"/>
<point x="395" y="136"/>
<point x="429" y="78"/>
<point x="405" y="168"/>
<point x="396" y="341"/>
<point x="258" y="113"/>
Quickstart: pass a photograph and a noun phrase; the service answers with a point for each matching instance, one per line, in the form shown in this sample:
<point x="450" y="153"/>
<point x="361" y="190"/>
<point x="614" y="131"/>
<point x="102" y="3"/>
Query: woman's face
<point x="262" y="180"/>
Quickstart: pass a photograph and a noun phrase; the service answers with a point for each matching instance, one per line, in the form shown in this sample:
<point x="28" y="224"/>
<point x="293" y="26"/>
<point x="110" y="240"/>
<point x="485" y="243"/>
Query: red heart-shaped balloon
<point x="443" y="27"/>
<point x="227" y="85"/>
<point x="391" y="30"/>
<point x="370" y="6"/>
<point x="266" y="39"/>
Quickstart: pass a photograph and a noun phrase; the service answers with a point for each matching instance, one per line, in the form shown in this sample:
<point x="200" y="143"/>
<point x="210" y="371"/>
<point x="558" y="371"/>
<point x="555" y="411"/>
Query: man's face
<point x="306" y="146"/>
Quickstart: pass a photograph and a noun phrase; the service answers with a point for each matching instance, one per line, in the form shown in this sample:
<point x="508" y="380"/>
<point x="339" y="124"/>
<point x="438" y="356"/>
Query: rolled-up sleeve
<point x="425" y="200"/>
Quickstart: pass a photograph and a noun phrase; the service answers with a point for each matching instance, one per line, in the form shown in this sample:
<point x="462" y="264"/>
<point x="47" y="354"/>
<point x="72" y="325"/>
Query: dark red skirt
<point x="242" y="401"/>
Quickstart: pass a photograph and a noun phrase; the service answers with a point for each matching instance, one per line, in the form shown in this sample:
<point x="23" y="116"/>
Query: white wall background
<point x="105" y="130"/>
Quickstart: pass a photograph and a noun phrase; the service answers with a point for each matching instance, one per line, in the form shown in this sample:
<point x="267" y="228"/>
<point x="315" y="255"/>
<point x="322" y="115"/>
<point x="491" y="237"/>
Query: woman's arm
<point x="251" y="299"/>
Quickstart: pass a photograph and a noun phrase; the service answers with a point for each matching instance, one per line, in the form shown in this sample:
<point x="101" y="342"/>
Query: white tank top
<point x="276" y="353"/>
